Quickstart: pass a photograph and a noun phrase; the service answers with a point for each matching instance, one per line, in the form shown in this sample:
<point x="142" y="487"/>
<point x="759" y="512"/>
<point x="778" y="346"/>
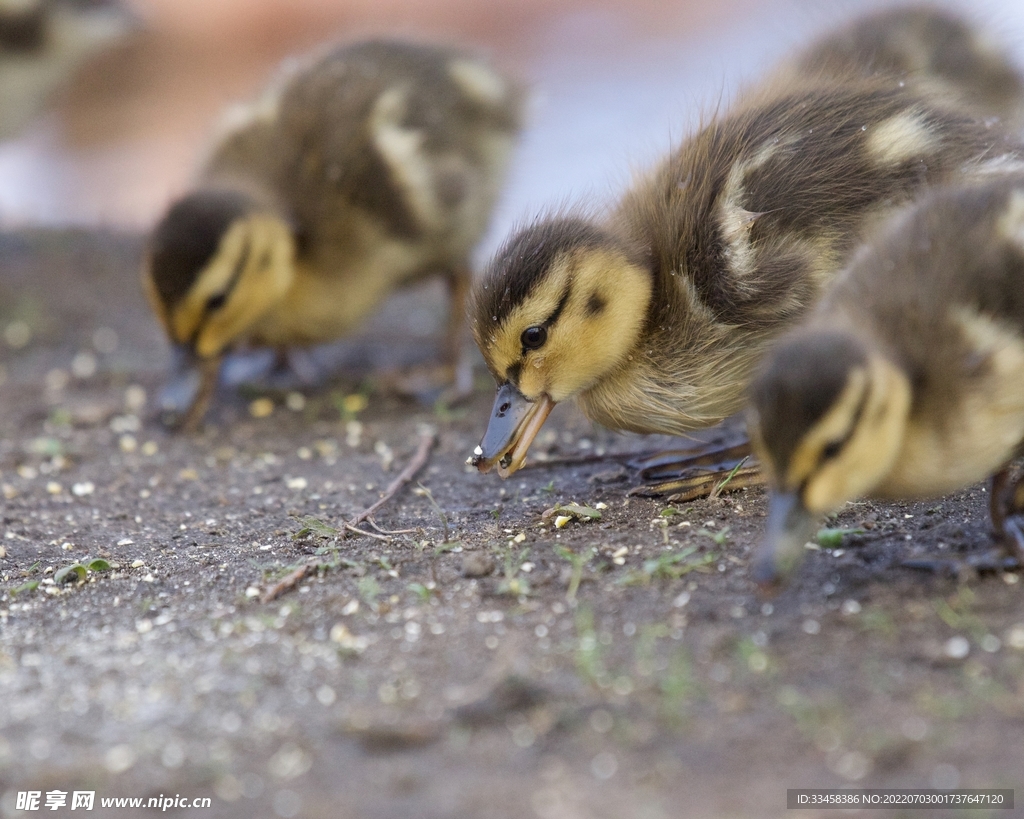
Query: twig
<point x="286" y="583"/>
<point x="391" y="532"/>
<point x="291" y="580"/>
<point x="406" y="475"/>
<point x="364" y="533"/>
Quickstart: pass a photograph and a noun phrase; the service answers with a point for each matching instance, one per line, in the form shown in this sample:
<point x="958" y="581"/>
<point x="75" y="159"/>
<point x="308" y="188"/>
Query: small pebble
<point x="261" y="408"/>
<point x="850" y="607"/>
<point x="1015" y="636"/>
<point x="84" y="365"/>
<point x="957" y="647"/>
<point x="355" y="403"/>
<point x="83" y="488"/>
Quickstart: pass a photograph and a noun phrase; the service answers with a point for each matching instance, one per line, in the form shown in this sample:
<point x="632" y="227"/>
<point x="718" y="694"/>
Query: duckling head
<point x="216" y="264"/>
<point x="827" y="420"/>
<point x="560" y="308"/>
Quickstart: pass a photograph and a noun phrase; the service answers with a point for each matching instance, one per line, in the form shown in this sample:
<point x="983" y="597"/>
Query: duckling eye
<point x="216" y="302"/>
<point x="534" y="337"/>
<point x="830" y="450"/>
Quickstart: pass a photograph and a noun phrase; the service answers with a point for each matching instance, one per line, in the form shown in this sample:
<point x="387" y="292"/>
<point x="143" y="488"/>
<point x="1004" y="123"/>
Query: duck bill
<point x="789" y="527"/>
<point x="186" y="395"/>
<point x="515" y="422"/>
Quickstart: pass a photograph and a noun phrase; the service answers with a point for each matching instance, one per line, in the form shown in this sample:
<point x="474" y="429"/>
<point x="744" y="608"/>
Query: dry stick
<point x="390" y="532"/>
<point x="291" y="580"/>
<point x="286" y="583"/>
<point x="350" y="528"/>
<point x="406" y="475"/>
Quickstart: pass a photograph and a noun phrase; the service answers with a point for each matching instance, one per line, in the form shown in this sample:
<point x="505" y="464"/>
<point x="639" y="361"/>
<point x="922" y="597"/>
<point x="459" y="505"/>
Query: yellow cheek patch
<point x="873" y="448"/>
<point x="253" y="268"/>
<point x="835" y="425"/>
<point x="604" y="301"/>
<point x="213" y="280"/>
<point x="600" y="325"/>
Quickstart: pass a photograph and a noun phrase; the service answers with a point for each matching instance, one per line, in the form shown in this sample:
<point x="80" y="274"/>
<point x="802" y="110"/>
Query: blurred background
<point x="615" y="83"/>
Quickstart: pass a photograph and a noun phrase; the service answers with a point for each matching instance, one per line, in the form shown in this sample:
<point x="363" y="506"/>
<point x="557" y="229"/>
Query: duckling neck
<point x="660" y="386"/>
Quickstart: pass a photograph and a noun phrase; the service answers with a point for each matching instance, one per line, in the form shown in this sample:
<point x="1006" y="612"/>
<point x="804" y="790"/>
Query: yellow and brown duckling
<point x="42" y="43"/>
<point x="928" y="48"/>
<point x="905" y="381"/>
<point x="653" y="316"/>
<point x="364" y="169"/>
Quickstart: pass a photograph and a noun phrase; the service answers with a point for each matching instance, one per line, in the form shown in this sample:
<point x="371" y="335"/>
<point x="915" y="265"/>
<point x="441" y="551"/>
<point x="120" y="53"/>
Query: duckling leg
<point x="721" y="462"/>
<point x="1006" y="501"/>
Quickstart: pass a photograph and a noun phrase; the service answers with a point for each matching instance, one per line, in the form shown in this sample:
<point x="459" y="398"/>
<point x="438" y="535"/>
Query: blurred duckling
<point x="652" y="317"/>
<point x="932" y="50"/>
<point x="42" y="43"/>
<point x="364" y="169"/>
<point x="905" y="382"/>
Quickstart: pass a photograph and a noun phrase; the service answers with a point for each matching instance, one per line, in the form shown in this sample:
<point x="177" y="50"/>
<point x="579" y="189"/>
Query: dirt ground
<point x="483" y="663"/>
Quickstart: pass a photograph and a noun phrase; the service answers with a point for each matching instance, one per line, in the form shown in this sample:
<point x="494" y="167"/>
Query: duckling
<point x="42" y="43"/>
<point x="905" y="381"/>
<point x="653" y="316"/>
<point x="360" y="170"/>
<point x="929" y="48"/>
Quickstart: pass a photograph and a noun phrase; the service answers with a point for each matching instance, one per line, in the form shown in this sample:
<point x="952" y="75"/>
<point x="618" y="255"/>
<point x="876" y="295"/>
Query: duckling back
<point x="378" y="138"/>
<point x="932" y="50"/>
<point x="748" y="221"/>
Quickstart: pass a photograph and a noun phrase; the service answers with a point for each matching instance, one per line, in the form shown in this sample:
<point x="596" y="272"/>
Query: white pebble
<point x="957" y="647"/>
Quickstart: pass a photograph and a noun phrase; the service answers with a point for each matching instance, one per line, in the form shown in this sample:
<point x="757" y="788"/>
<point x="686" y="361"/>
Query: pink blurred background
<point x="614" y="83"/>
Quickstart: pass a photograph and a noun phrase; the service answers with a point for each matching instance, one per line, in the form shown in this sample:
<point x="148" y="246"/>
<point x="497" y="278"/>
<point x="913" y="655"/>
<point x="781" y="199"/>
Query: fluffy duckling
<point x="361" y="170"/>
<point x="929" y="48"/>
<point x="905" y="382"/>
<point x="653" y="317"/>
<point x="42" y="43"/>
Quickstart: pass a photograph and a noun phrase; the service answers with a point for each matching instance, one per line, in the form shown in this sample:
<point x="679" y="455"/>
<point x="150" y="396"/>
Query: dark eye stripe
<point x="216" y="301"/>
<point x="561" y="306"/>
<point x="236" y="274"/>
<point x="833" y="448"/>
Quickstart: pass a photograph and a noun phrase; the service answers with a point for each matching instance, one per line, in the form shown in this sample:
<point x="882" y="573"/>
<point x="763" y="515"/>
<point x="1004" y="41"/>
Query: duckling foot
<point x="1006" y="499"/>
<point x="697" y="472"/>
<point x="717" y="460"/>
<point x="987" y="562"/>
<point x="1006" y="506"/>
